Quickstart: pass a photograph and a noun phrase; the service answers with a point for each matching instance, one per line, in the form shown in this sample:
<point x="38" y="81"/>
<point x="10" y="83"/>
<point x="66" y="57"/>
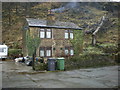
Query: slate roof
<point x="40" y="22"/>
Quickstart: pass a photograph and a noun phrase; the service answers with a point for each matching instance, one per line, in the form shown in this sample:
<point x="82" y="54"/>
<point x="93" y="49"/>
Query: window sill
<point x="45" y="38"/>
<point x="69" y="38"/>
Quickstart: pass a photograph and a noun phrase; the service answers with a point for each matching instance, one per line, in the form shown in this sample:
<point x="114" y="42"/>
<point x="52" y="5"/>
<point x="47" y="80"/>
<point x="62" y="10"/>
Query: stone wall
<point x="57" y="41"/>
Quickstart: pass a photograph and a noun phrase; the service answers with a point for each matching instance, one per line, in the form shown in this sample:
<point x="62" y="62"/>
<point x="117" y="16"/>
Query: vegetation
<point x="77" y="42"/>
<point x="14" y="53"/>
<point x="90" y="60"/>
<point x="32" y="43"/>
<point x="86" y="15"/>
<point x="40" y="66"/>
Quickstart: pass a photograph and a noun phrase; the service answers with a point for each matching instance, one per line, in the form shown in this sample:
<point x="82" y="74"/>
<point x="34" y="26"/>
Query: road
<point x="15" y="75"/>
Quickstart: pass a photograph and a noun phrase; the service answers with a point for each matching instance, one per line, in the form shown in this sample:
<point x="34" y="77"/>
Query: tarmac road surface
<point x="15" y="75"/>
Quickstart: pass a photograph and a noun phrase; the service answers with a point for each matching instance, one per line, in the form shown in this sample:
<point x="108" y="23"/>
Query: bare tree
<point x="95" y="32"/>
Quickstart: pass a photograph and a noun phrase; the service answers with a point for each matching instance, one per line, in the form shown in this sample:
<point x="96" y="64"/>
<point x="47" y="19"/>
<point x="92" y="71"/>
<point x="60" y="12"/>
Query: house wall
<point x="57" y="41"/>
<point x="34" y="31"/>
<point x="60" y="42"/>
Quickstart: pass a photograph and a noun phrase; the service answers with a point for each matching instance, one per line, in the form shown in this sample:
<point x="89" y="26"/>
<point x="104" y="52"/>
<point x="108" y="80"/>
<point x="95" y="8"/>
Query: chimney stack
<point x="50" y="18"/>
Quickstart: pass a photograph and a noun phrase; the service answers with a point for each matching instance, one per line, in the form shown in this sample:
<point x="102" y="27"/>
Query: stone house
<point x="54" y="36"/>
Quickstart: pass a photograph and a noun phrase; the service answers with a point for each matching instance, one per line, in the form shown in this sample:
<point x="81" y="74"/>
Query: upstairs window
<point x="48" y="33"/>
<point x="42" y="33"/>
<point x="71" y="34"/>
<point x="45" y="33"/>
<point x="68" y="34"/>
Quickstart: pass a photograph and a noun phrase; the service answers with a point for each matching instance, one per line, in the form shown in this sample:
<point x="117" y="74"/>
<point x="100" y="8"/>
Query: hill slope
<point x="85" y="15"/>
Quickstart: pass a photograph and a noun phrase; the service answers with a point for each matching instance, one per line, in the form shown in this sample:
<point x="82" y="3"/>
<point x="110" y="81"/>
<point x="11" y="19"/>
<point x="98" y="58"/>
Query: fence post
<point x="93" y="39"/>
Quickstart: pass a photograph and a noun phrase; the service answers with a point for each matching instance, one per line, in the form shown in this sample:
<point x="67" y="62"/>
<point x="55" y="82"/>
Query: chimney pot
<point x="50" y="18"/>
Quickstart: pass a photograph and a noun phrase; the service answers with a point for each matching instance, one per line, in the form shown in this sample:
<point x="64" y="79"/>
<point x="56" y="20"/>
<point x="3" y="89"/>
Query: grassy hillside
<point x="85" y="15"/>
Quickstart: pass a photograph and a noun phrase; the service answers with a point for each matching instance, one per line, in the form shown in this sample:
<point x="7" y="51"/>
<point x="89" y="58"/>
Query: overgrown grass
<point x="92" y="50"/>
<point x="97" y="56"/>
<point x="109" y="48"/>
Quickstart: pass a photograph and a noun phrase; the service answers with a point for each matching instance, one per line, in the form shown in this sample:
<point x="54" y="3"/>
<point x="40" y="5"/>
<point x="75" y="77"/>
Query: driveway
<point x="15" y="75"/>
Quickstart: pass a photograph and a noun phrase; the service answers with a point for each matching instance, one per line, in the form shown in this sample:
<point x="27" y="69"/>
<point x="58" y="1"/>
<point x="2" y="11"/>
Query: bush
<point x="40" y="66"/>
<point x="109" y="48"/>
<point x="13" y="53"/>
<point x="88" y="60"/>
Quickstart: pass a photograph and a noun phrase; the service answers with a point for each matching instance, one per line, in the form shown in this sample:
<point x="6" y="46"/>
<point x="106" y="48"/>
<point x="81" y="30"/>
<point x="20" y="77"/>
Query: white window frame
<point x="66" y="34"/>
<point x="48" y="52"/>
<point x="71" y="34"/>
<point x="42" y="33"/>
<point x="71" y="52"/>
<point x="48" y="33"/>
<point x="66" y="51"/>
<point x="43" y="52"/>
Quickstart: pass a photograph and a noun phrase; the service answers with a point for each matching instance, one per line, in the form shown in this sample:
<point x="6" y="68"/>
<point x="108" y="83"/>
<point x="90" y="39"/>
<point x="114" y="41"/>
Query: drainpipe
<point x="54" y="43"/>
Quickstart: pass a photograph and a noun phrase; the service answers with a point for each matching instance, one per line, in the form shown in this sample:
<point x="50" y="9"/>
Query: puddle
<point x="77" y="77"/>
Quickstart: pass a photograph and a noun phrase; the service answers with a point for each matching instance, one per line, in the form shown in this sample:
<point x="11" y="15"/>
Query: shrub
<point x="109" y="48"/>
<point x="88" y="60"/>
<point x="13" y="53"/>
<point x="40" y="66"/>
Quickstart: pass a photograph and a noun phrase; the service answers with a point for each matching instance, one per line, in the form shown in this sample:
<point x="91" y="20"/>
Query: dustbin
<point x="60" y="63"/>
<point x="51" y="64"/>
<point x="36" y="59"/>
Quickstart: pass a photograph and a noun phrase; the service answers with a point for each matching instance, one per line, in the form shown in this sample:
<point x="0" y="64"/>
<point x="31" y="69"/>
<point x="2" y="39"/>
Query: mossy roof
<point x="56" y="24"/>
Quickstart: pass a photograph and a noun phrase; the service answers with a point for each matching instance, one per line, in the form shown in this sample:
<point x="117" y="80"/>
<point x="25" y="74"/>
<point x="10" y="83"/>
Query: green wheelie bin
<point x="60" y="63"/>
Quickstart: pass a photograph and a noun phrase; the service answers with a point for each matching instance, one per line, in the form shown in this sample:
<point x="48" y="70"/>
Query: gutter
<point x="56" y="27"/>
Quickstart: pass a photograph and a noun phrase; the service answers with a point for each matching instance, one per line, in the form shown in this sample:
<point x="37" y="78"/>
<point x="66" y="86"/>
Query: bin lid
<point x="61" y="58"/>
<point x="51" y="58"/>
